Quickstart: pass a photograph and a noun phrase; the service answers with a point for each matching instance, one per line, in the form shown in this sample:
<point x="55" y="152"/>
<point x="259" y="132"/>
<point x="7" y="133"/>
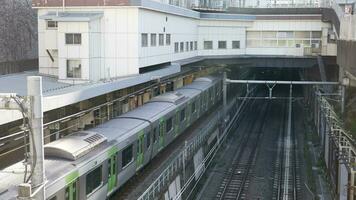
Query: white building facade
<point x="82" y="43"/>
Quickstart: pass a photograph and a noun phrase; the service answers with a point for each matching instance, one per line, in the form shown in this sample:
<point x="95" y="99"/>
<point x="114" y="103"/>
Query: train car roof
<point x="150" y="111"/>
<point x="172" y="97"/>
<point x="116" y="131"/>
<point x="10" y="178"/>
<point x="201" y="83"/>
<point x="189" y="92"/>
<point x="120" y="129"/>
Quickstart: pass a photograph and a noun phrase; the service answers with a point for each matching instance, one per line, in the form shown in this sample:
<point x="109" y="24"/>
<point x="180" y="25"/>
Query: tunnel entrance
<point x="267" y="156"/>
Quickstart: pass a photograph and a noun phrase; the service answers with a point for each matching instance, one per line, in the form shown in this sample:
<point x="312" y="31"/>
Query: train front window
<point x="93" y="180"/>
<point x="127" y="156"/>
<point x="169" y="125"/>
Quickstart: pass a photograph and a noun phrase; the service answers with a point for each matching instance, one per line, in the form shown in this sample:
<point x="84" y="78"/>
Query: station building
<point x="89" y="41"/>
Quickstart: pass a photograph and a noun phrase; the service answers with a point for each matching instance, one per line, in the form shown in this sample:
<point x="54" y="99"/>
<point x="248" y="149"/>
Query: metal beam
<point x="282" y="82"/>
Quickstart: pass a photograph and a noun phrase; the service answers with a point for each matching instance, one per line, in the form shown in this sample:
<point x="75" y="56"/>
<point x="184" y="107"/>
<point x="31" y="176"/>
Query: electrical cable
<point x="33" y="163"/>
<point x="25" y="137"/>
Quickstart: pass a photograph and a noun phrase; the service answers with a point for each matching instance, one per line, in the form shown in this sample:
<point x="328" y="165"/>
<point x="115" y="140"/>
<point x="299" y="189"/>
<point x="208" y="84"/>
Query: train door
<point x="161" y="133"/>
<point x="112" y="170"/>
<point x="177" y="123"/>
<point x="189" y="113"/>
<point x="71" y="191"/>
<point x="140" y="146"/>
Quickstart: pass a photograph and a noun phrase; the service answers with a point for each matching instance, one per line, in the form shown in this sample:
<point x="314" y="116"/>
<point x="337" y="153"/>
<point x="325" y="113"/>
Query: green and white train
<point x="93" y="164"/>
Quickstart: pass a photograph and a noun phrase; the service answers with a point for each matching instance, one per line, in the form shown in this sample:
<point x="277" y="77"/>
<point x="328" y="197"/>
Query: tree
<point x="18" y="30"/>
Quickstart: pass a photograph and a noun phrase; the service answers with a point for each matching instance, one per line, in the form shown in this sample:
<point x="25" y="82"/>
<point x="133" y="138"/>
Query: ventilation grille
<point x="94" y="138"/>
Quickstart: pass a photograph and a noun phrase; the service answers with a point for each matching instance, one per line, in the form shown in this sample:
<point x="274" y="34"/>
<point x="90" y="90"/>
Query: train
<point x="94" y="163"/>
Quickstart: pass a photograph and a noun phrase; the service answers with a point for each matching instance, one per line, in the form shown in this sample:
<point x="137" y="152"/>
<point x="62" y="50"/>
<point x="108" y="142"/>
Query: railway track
<point x="237" y="177"/>
<point x="286" y="184"/>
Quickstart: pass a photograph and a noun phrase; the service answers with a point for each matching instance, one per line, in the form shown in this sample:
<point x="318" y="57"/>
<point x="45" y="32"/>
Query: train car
<point x="92" y="164"/>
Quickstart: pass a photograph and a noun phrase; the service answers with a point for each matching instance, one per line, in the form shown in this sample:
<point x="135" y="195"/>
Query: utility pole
<point x="34" y="91"/>
<point x="31" y="107"/>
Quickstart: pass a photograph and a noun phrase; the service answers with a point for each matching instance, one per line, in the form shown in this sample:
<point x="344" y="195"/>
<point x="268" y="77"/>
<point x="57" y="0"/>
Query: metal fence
<point x="339" y="150"/>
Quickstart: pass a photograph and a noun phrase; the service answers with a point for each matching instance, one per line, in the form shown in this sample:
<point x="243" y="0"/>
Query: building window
<point x="176" y="47"/>
<point x="222" y="44"/>
<point x="235" y="44"/>
<point x="93" y="180"/>
<point x="182" y="115"/>
<point x="191" y="46"/>
<point x="73" y="38"/>
<point x="169" y="125"/>
<point x="127" y="156"/>
<point x="74" y="69"/>
<point x="153" y="39"/>
<point x="168" y="39"/>
<point x="181" y="46"/>
<point x="144" y="39"/>
<point x="195" y="45"/>
<point x="208" y="44"/>
<point x="52" y="25"/>
<point x="161" y="39"/>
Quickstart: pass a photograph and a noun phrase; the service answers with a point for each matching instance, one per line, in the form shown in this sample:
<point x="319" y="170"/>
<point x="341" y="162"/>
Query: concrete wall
<point x="120" y="42"/>
<point x="75" y="52"/>
<point x="346" y="58"/>
<point x="47" y="39"/>
<point x="348" y="27"/>
<point x="216" y="30"/>
<point x="182" y="29"/>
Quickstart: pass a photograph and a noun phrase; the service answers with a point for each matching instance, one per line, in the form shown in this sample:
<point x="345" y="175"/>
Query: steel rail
<point x="249" y="162"/>
<point x="235" y="161"/>
<point x="280" y="154"/>
<point x="254" y="152"/>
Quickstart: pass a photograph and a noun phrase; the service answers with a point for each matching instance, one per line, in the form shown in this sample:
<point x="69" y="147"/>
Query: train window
<point x="93" y="180"/>
<point x="67" y="193"/>
<point x="148" y="139"/>
<point x="169" y="125"/>
<point x="182" y="115"/>
<point x="127" y="156"/>
<point x="154" y="135"/>
<point x="53" y="198"/>
<point x="193" y="107"/>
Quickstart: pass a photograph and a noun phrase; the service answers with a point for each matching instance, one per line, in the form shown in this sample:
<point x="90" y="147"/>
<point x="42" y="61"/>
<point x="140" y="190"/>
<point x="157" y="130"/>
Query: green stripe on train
<point x="113" y="150"/>
<point x="139" y="160"/>
<point x="71" y="177"/>
<point x="161" y="133"/>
